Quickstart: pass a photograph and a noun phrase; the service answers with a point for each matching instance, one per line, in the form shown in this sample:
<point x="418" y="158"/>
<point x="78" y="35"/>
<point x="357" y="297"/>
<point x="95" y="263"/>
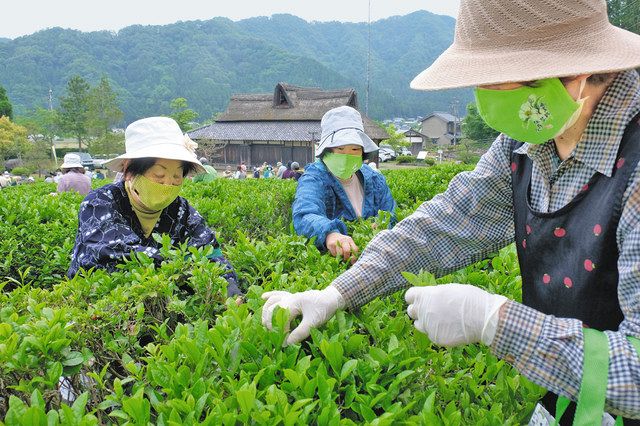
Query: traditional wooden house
<point x="441" y="128"/>
<point x="283" y="126"/>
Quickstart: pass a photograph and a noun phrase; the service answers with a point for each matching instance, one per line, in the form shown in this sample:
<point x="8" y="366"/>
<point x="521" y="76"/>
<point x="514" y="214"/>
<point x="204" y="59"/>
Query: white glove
<point x="455" y="314"/>
<point x="316" y="307"/>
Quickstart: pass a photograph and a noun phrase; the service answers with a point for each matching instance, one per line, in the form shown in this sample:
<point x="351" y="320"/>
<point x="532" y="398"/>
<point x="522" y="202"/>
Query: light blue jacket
<point x="321" y="204"/>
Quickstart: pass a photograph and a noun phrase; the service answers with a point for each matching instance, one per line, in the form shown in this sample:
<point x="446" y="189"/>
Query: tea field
<point x="161" y="345"/>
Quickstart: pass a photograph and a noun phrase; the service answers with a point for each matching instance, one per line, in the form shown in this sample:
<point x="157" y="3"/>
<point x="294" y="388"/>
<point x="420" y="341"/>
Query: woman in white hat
<point x="562" y="181"/>
<point x="119" y="218"/>
<point x="73" y="175"/>
<point x="338" y="187"/>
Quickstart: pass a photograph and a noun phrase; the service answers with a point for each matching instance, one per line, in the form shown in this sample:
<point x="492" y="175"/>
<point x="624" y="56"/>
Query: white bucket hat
<point x="156" y="137"/>
<point x="71" y="161"/>
<point x="525" y="40"/>
<point x="343" y="126"/>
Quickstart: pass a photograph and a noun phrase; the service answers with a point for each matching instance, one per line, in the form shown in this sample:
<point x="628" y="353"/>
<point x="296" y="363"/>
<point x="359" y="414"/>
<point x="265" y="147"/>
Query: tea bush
<point x="151" y="344"/>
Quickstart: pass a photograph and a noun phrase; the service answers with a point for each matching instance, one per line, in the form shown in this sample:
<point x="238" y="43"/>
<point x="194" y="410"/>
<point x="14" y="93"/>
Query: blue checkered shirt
<point x="474" y="218"/>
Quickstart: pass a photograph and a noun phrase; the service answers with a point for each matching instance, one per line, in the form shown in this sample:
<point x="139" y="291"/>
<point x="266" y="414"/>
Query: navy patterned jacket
<point x="109" y="230"/>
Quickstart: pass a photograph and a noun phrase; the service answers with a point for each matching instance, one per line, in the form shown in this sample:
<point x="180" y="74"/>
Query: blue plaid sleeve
<point x="473" y="218"/>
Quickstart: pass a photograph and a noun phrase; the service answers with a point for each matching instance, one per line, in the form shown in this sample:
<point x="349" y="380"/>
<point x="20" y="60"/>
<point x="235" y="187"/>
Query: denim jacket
<point x="321" y="205"/>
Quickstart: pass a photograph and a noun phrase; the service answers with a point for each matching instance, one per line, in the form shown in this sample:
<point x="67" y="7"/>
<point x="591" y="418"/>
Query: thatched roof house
<point x="283" y="126"/>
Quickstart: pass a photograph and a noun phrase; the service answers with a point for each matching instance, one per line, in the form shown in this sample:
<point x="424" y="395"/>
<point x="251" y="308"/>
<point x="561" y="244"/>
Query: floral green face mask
<point x="530" y="114"/>
<point x="155" y="196"/>
<point x="342" y="165"/>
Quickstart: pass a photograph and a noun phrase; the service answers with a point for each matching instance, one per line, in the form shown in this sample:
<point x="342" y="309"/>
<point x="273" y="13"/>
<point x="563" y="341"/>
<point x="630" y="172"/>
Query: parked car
<point x="87" y="161"/>
<point x="403" y="150"/>
<point x="386" y="154"/>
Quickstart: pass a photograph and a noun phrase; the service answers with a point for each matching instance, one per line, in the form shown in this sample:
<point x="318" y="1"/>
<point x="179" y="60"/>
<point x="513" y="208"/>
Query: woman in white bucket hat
<point x="561" y="181"/>
<point x="73" y="175"/>
<point x="338" y="187"/>
<point x="119" y="218"/>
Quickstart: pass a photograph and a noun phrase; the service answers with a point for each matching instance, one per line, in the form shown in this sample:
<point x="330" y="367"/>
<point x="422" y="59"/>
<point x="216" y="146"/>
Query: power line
<point x="366" y="104"/>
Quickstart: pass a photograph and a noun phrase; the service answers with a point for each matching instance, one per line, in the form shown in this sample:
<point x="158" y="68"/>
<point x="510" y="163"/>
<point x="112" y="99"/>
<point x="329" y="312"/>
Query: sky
<point x="28" y="16"/>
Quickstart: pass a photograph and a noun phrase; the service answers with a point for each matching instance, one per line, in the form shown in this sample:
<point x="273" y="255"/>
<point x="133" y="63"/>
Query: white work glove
<point x="455" y="314"/>
<point x="316" y="307"/>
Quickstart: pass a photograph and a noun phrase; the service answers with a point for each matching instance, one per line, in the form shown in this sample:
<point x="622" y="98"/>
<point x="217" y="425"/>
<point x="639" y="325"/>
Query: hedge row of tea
<point x="161" y="345"/>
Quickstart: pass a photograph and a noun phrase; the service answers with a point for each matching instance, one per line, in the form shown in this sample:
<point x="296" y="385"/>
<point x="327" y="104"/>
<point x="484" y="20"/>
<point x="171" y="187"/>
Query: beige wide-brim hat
<point x="156" y="137"/>
<point x="523" y="40"/>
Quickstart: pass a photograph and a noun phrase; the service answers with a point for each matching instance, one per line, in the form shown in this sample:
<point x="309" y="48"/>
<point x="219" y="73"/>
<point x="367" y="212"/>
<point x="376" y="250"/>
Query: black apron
<point x="568" y="258"/>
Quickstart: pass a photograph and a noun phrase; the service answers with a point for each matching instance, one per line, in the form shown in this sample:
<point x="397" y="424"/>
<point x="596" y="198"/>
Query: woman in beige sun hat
<point x="120" y="218"/>
<point x="561" y="181"/>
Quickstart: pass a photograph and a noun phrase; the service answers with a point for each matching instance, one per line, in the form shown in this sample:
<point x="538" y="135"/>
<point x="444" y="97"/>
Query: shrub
<point x="21" y="171"/>
<point x="405" y="159"/>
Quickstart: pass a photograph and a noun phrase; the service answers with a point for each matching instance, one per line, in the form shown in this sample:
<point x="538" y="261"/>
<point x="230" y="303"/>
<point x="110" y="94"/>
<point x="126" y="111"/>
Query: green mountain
<point x="207" y="61"/>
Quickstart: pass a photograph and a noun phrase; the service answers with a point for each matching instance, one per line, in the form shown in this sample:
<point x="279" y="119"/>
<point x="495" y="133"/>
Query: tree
<point x="103" y="111"/>
<point x="73" y="115"/>
<point x="182" y="114"/>
<point x="474" y="127"/>
<point x="625" y="14"/>
<point x="13" y="139"/>
<point x="396" y="139"/>
<point x="41" y="124"/>
<point x="6" y="110"/>
<point x="108" y="144"/>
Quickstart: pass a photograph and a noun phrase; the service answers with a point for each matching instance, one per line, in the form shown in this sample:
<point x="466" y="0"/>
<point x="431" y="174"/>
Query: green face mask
<point x="155" y="196"/>
<point x="530" y="114"/>
<point x="342" y="165"/>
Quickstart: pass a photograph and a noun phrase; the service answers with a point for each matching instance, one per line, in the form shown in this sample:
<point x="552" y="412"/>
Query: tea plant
<point x="160" y="344"/>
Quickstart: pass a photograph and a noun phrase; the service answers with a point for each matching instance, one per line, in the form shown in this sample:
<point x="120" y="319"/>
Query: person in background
<point x="73" y="176"/>
<point x="228" y="173"/>
<point x="280" y="169"/>
<point x="296" y="170"/>
<point x="288" y="172"/>
<point x="338" y="187"/>
<point x="267" y="171"/>
<point x="240" y="173"/>
<point x="120" y="218"/>
<point x="209" y="175"/>
<point x="256" y="172"/>
<point x="562" y="181"/>
<point x="98" y="174"/>
<point x="5" y="180"/>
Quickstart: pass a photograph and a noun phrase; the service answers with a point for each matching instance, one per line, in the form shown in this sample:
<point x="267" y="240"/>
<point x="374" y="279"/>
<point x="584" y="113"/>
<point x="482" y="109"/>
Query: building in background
<point x="441" y="128"/>
<point x="417" y="140"/>
<point x="283" y="126"/>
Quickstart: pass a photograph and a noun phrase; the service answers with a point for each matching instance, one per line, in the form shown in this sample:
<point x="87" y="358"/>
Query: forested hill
<point x="207" y="61"/>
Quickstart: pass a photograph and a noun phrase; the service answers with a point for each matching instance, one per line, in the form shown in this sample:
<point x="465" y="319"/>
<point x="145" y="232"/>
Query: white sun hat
<point x="156" y="137"/>
<point x="503" y="41"/>
<point x="71" y="161"/>
<point x="343" y="126"/>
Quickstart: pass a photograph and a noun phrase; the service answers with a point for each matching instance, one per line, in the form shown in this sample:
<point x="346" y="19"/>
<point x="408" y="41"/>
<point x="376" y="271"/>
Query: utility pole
<point x="366" y="104"/>
<point x="313" y="144"/>
<point x="454" y="111"/>
<point x="53" y="147"/>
